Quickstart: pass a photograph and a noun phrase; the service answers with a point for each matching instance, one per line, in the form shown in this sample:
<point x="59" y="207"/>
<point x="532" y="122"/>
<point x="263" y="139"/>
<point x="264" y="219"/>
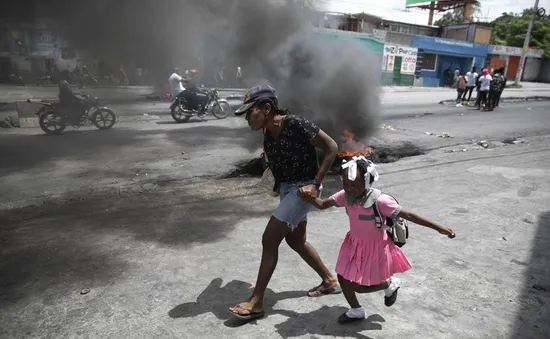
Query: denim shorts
<point x="292" y="209"/>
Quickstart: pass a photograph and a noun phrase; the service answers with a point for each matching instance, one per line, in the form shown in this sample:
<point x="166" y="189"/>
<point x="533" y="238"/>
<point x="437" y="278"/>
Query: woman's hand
<point x="308" y="192"/>
<point x="447" y="231"/>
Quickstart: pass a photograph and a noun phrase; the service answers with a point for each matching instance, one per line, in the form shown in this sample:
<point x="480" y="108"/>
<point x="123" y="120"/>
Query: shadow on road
<point x="534" y="312"/>
<point x="24" y="152"/>
<point x="216" y="299"/>
<point x="63" y="244"/>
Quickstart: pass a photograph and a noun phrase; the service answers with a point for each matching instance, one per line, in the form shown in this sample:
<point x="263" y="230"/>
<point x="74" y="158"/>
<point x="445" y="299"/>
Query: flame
<point x="348" y="136"/>
<point x="352" y="148"/>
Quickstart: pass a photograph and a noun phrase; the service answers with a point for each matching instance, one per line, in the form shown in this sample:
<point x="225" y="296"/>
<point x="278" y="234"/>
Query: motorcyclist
<point x="71" y="104"/>
<point x="195" y="95"/>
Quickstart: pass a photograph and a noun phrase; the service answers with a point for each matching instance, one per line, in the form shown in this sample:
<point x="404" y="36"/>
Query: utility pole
<point x="526" y="44"/>
<point x="431" y="17"/>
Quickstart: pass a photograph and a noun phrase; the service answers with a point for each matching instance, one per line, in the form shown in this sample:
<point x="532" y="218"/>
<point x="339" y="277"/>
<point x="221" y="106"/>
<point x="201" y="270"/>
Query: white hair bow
<point x="352" y="170"/>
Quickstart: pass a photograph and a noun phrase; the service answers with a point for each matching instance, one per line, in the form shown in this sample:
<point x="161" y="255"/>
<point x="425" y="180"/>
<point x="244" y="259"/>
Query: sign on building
<point x="408" y="56"/>
<point x="515" y="51"/>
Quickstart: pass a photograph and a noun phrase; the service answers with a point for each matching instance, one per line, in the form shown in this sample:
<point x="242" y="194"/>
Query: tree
<point x="456" y="16"/>
<point x="510" y="29"/>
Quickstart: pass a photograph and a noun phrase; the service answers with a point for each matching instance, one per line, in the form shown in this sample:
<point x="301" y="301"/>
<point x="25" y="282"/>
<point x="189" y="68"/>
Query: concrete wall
<point x="532" y="69"/>
<point x="483" y="35"/>
<point x="457" y="34"/>
<point x="398" y="38"/>
<point x="544" y="73"/>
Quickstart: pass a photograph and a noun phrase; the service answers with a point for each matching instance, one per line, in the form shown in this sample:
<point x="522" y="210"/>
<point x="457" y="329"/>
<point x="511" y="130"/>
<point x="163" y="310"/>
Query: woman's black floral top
<point x="291" y="156"/>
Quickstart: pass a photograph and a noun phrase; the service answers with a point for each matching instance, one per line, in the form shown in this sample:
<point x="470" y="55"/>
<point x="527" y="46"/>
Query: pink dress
<point x="367" y="255"/>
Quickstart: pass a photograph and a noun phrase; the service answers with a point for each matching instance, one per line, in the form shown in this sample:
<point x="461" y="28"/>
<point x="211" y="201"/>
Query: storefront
<point x="509" y="57"/>
<point x="398" y="65"/>
<point x="440" y="58"/>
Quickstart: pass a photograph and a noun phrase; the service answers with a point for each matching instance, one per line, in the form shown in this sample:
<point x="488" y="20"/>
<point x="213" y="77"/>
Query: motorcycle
<point x="53" y="121"/>
<point x="211" y="104"/>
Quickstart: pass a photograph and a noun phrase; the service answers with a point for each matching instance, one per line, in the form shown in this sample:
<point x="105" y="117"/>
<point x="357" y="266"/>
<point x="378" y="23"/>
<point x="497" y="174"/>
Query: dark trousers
<point x="494" y="98"/>
<point x="460" y="94"/>
<point x="469" y="90"/>
<point x="497" y="99"/>
<point x="193" y="99"/>
<point x="481" y="98"/>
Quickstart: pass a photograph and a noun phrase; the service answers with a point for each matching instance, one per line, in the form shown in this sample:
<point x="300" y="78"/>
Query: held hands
<point x="447" y="231"/>
<point x="308" y="193"/>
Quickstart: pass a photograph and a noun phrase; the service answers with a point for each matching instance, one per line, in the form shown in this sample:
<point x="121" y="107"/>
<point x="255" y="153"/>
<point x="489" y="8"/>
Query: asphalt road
<point x="131" y="232"/>
<point x="150" y="145"/>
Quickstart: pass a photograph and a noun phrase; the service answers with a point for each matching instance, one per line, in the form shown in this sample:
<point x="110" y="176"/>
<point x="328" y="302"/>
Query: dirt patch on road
<point x="381" y="154"/>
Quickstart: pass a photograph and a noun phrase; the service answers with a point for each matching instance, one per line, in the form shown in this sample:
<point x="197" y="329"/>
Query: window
<point x="429" y="62"/>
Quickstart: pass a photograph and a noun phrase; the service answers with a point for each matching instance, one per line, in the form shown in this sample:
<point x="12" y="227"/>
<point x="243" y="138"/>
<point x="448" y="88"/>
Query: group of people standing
<point x="489" y="88"/>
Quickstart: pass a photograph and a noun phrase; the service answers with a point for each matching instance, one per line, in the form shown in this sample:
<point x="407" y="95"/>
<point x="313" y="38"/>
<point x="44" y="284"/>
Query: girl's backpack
<point x="397" y="229"/>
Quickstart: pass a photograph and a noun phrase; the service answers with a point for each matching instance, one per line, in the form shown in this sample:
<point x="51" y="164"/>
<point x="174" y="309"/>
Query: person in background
<point x="455" y="77"/>
<point x="176" y="83"/>
<point x="123" y="77"/>
<point x="460" y="89"/>
<point x="239" y="77"/>
<point x="484" y="86"/>
<point x="499" y="88"/>
<point x="448" y="77"/>
<point x="472" y="79"/>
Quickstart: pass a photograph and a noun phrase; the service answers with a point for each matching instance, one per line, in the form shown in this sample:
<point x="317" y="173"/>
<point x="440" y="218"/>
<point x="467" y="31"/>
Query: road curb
<point x="508" y="99"/>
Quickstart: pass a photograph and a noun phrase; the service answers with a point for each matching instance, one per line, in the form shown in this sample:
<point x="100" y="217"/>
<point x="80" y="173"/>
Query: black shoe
<point x="394" y="286"/>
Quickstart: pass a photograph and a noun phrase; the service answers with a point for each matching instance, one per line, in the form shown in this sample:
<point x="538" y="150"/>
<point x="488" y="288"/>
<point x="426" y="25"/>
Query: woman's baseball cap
<point x="256" y="94"/>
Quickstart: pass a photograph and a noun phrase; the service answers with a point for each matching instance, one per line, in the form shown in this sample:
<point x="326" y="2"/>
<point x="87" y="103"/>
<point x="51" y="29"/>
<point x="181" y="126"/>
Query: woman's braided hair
<point x="274" y="104"/>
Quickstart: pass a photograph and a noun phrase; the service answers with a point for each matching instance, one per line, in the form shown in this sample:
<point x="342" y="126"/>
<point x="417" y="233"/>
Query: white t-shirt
<point x="485" y="82"/>
<point x="177" y="86"/>
<point x="472" y="78"/>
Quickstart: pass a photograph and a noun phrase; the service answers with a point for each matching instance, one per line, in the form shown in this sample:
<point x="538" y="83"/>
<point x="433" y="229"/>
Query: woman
<point x="290" y="144"/>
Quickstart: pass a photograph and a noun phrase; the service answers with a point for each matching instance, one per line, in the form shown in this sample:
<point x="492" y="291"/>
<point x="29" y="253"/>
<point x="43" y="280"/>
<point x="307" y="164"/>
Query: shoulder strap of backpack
<point x="378" y="217"/>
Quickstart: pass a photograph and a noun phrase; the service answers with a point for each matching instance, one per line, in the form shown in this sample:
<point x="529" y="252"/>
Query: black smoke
<point x="332" y="81"/>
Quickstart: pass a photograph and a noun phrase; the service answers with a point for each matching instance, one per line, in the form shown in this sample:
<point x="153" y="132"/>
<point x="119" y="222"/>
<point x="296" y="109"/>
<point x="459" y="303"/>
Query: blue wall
<point x="451" y="53"/>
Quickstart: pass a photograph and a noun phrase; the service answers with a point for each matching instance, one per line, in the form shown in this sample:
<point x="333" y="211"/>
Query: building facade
<point x="32" y="50"/>
<point x="440" y="58"/>
<point x="509" y="57"/>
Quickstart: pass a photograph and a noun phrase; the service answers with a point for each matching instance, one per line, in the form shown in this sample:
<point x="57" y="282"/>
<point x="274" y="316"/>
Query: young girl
<point x="368" y="258"/>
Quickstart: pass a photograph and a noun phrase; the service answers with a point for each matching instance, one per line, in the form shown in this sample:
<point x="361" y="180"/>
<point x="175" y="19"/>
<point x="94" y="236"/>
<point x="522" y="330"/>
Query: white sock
<point x="356" y="312"/>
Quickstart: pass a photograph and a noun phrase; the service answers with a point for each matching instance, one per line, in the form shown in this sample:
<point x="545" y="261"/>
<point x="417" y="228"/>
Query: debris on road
<point x="442" y="135"/>
<point x="512" y="141"/>
<point x="85" y="291"/>
<point x="483" y="143"/>
<point x="8" y="123"/>
<point x="456" y="150"/>
<point x="541" y="288"/>
<point x="388" y="127"/>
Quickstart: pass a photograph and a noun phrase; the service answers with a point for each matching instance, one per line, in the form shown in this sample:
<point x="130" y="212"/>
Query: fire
<point x="352" y="148"/>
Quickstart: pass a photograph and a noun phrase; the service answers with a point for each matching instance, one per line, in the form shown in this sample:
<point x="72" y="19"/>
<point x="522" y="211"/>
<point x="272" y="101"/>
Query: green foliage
<point x="510" y="29"/>
<point x="456" y="16"/>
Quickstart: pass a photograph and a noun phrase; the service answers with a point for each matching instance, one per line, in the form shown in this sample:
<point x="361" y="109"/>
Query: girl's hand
<point x="302" y="193"/>
<point x="448" y="232"/>
<point x="306" y="195"/>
